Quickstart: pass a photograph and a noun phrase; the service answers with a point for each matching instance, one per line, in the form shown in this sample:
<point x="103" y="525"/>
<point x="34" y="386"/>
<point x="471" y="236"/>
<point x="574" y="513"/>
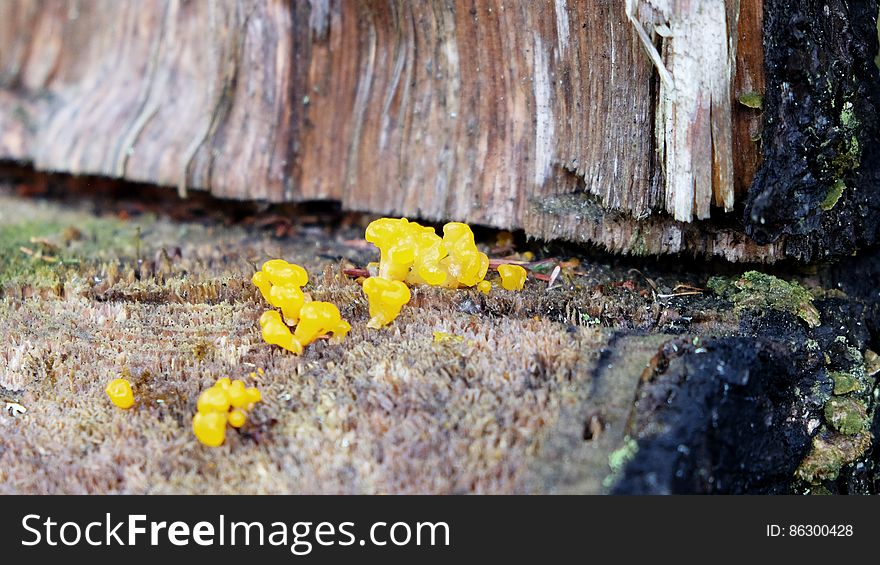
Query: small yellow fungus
<point x="414" y="254"/>
<point x="280" y="271"/>
<point x="237" y="395"/>
<point x="466" y="264"/>
<point x="237" y="418"/>
<point x="504" y="239"/>
<point x="241" y="397"/>
<point x="281" y="284"/>
<point x="224" y="402"/>
<point x="210" y="428"/>
<point x="289" y="298"/>
<point x="386" y="298"/>
<point x="318" y="319"/>
<point x="119" y="391"/>
<point x="254" y="396"/>
<point x="276" y="332"/>
<point x="513" y="277"/>
<point x="395" y="239"/>
<point x="484" y="287"/>
<point x="443" y="337"/>
<point x="214" y="399"/>
<point x="261" y="281"/>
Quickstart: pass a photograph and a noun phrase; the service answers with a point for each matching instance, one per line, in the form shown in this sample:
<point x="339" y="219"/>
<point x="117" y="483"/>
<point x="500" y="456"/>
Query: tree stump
<point x="738" y="128"/>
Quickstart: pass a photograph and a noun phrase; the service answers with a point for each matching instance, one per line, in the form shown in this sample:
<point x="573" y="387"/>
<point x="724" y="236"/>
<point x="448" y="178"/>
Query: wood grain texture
<point x="696" y="62"/>
<point x="748" y="89"/>
<point x="509" y="114"/>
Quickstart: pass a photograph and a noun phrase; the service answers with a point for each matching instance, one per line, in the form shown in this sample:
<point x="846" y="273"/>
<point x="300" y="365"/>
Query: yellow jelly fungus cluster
<point x="119" y="391"/>
<point x="414" y="254"/>
<point x="386" y="298"/>
<point x="316" y="319"/>
<point x="484" y="286"/>
<point x="513" y="277"/>
<point x="226" y="402"/>
<point x="281" y="284"/>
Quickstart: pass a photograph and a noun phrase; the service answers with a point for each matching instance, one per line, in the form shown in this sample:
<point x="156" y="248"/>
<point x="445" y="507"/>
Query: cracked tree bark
<point x="636" y="125"/>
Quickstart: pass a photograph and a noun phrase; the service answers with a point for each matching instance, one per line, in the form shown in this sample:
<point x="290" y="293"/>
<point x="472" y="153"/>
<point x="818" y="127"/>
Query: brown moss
<point x="386" y="411"/>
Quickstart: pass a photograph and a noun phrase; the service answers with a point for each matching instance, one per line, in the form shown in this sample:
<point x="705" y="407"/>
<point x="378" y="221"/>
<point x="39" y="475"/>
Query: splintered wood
<point x="696" y="63"/>
<point x="547" y="116"/>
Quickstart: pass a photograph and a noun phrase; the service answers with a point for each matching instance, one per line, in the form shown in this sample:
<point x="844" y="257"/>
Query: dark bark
<point x="819" y="187"/>
<point x="734" y="413"/>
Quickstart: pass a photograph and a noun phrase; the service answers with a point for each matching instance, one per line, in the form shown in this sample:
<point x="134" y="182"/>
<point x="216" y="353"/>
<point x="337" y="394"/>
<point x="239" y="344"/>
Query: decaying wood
<point x="510" y="114"/>
<point x="694" y="111"/>
<point x="748" y="93"/>
<point x="819" y="185"/>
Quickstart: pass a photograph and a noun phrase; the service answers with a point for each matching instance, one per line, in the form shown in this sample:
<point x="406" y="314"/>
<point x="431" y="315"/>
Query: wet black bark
<point x="723" y="409"/>
<point x="821" y="129"/>
<point x="733" y="415"/>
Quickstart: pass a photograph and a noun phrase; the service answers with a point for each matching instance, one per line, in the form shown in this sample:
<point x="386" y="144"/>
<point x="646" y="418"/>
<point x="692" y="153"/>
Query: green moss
<point x="852" y="152"/>
<point x="843" y="158"/>
<point x="637" y="244"/>
<point x="846" y="415"/>
<point x="618" y="459"/>
<point x="759" y="291"/>
<point x="833" y="195"/>
<point x="722" y="286"/>
<point x="16" y="266"/>
<point x="829" y="453"/>
<point x="39" y="254"/>
<point x="581" y="205"/>
<point x="845" y="383"/>
<point x="847" y="158"/>
<point x="853" y="379"/>
<point x="752" y="100"/>
<point x="847" y="117"/>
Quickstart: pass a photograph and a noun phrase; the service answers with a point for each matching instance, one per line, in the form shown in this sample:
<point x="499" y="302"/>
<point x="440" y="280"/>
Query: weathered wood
<point x="566" y="118"/>
<point x="748" y="94"/>
<point x="694" y="110"/>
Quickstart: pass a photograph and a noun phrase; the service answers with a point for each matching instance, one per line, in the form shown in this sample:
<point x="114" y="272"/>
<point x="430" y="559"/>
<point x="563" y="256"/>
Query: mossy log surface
<point x="618" y="379"/>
